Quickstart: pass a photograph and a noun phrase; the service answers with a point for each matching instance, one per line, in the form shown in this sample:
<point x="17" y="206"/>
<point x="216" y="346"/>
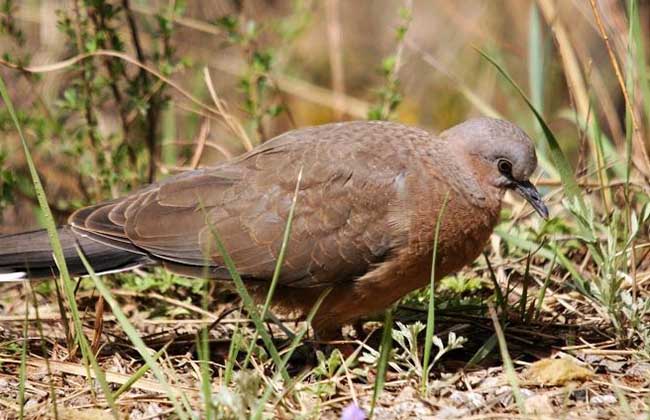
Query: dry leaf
<point x="85" y="414"/>
<point x="556" y="372"/>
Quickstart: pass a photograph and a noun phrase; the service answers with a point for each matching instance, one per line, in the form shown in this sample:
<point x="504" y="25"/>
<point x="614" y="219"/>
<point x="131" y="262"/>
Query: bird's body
<point x="369" y="197"/>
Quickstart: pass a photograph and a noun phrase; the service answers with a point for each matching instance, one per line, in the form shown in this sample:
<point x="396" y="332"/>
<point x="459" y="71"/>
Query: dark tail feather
<point x="29" y="255"/>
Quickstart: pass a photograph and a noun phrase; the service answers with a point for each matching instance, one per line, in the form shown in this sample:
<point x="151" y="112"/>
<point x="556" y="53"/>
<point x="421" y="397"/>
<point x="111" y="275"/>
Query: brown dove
<point x="369" y="197"/>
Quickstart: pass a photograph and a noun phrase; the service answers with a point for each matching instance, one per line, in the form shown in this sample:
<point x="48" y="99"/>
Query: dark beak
<point x="530" y="193"/>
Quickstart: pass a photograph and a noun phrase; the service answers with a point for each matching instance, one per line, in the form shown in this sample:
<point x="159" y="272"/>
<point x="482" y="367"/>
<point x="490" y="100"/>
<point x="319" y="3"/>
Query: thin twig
<point x="232" y="123"/>
<point x="200" y="144"/>
<point x="621" y="82"/>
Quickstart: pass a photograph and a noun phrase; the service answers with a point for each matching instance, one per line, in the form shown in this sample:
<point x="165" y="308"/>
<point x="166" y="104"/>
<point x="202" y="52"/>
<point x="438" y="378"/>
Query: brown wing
<point x="352" y="178"/>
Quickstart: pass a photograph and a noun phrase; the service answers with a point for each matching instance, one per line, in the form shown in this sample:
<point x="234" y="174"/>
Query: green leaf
<point x="384" y="356"/>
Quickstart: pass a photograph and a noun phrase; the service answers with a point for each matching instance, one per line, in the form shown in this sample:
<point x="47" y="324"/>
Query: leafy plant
<point x="107" y="161"/>
<point x="389" y="96"/>
<point x="406" y="359"/>
<point x="255" y="83"/>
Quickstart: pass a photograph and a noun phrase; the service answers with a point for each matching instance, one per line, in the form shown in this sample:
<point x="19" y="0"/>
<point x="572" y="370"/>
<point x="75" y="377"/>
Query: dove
<point x="369" y="196"/>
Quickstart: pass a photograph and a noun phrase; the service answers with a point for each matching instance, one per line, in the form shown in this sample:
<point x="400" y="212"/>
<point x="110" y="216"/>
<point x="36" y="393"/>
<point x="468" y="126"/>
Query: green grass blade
<point x="544" y="252"/>
<point x="498" y="293"/>
<point x="278" y="265"/>
<point x="86" y="351"/>
<point x="637" y="59"/>
<point x="560" y="161"/>
<point x="636" y="73"/>
<point x="524" y="293"/>
<point x="384" y="358"/>
<point x="46" y="359"/>
<point x="134" y="336"/>
<point x="542" y="290"/>
<point x="283" y="247"/>
<point x="50" y="225"/>
<point x="57" y="250"/>
<point x="233" y="350"/>
<point x="536" y="59"/>
<point x="611" y="155"/>
<point x="536" y="76"/>
<point x="203" y="349"/>
<point x="137" y="375"/>
<point x="598" y="140"/>
<point x="246" y="298"/>
<point x="292" y="347"/>
<point x="22" y="374"/>
<point x="100" y="376"/>
<point x="310" y="317"/>
<point x="430" y="330"/>
<point x="508" y="367"/>
<point x="483" y="351"/>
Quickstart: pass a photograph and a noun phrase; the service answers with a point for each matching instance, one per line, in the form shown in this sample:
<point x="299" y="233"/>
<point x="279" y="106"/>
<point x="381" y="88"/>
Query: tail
<point x="29" y="255"/>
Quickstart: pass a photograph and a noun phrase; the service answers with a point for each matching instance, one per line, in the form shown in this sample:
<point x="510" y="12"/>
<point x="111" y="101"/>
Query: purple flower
<point x="353" y="412"/>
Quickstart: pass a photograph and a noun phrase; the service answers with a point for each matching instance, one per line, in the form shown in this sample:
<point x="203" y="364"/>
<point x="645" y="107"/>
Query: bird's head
<point x="502" y="155"/>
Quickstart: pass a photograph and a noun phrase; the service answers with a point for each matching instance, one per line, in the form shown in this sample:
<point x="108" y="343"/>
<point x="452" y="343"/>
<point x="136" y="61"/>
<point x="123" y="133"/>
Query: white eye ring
<point x="505" y="167"/>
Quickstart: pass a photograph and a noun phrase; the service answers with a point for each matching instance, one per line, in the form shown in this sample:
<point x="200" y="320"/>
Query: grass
<point x="507" y="362"/>
<point x="429" y="333"/>
<point x="23" y="367"/>
<point x="182" y="411"/>
<point x="88" y="356"/>
<point x="384" y="358"/>
<point x="576" y="285"/>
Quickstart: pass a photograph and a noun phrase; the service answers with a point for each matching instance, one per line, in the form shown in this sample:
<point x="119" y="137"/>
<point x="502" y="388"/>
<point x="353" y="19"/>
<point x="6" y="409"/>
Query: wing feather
<point x="341" y="224"/>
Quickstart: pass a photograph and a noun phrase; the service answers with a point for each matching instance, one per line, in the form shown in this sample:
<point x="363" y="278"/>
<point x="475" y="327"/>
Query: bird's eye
<point x="505" y="167"/>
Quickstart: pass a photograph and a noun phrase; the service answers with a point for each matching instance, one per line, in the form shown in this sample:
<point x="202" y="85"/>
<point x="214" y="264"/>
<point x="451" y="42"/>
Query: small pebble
<point x="607" y="399"/>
